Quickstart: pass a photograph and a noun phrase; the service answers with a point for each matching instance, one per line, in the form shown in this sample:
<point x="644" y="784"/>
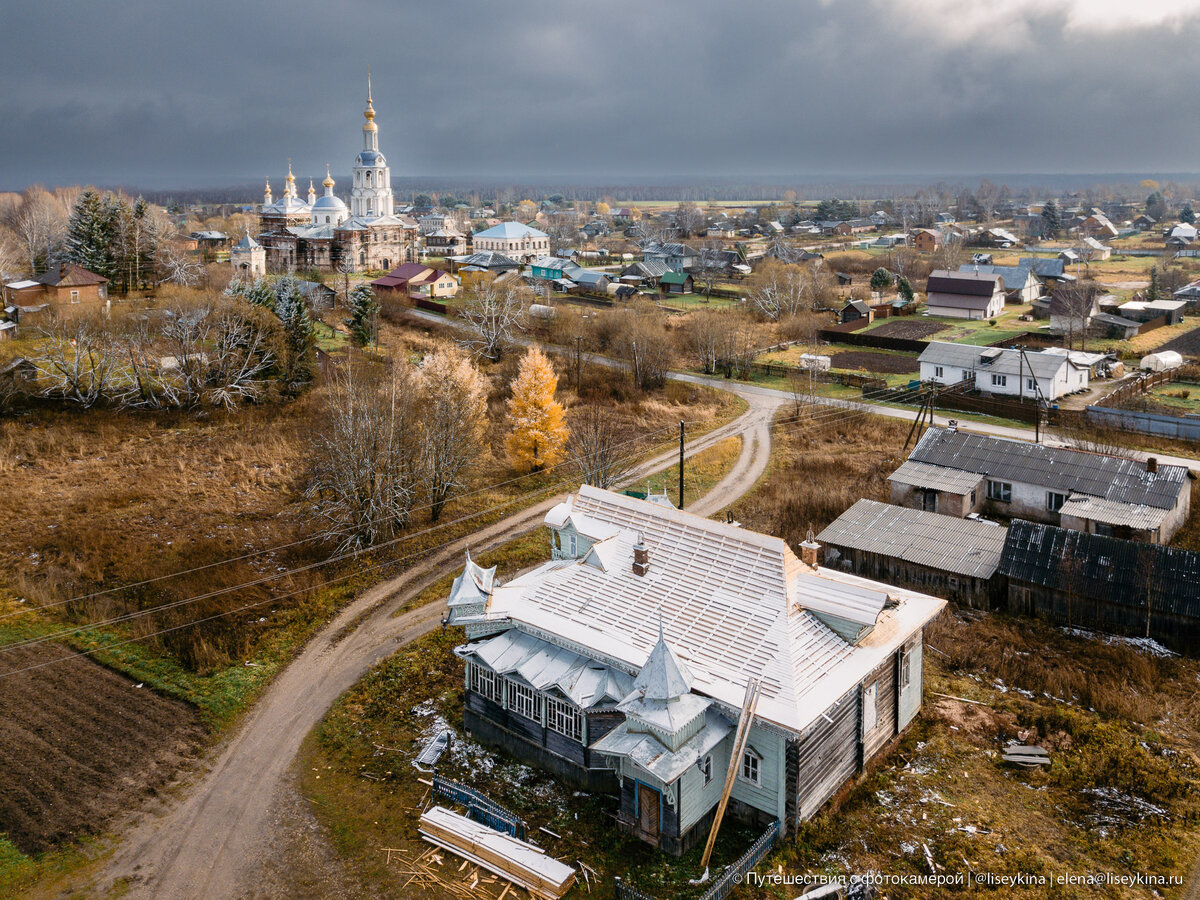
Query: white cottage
<point x="622" y="663"/>
<point x="1009" y="373"/>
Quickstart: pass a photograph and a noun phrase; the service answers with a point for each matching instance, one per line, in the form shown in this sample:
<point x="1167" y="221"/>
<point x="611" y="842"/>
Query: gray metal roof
<point x="964" y="546"/>
<point x="938" y="478"/>
<point x="1110" y="477"/>
<point x="1103" y="568"/>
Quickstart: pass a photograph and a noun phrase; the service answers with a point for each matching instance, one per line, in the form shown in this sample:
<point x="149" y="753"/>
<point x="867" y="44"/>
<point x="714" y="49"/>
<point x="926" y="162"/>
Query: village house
<point x="1094" y="251"/>
<point x="445" y="242"/>
<point x="1048" y="270"/>
<point x="1191" y="293"/>
<point x="957" y="473"/>
<point x="677" y="257"/>
<point x="417" y="280"/>
<point x="646" y="272"/>
<point x="947" y="556"/>
<point x="512" y="239"/>
<point x="624" y="664"/>
<point x="484" y="261"/>
<point x="1097" y="224"/>
<point x="1020" y="284"/>
<point x="926" y="240"/>
<point x="64" y="284"/>
<point x="1004" y="372"/>
<point x="1103" y="583"/>
<point x="964" y="295"/>
<point x="1148" y="310"/>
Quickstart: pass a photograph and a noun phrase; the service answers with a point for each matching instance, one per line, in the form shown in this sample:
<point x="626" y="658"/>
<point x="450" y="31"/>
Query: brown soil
<point x="79" y="743"/>
<point x="908" y="329"/>
<point x="982" y="723"/>
<point x="1187" y="344"/>
<point x="888" y="363"/>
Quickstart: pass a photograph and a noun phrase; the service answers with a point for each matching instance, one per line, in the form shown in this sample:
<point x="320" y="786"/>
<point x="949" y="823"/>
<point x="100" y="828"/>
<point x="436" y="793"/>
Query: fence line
<point x="482" y="809"/>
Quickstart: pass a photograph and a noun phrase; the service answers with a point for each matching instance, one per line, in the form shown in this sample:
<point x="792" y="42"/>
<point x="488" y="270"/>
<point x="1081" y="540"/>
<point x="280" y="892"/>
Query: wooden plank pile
<point x="517" y="861"/>
<point x="1023" y="755"/>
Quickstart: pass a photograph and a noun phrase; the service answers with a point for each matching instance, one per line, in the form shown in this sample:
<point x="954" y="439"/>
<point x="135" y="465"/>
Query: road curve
<point x="208" y="843"/>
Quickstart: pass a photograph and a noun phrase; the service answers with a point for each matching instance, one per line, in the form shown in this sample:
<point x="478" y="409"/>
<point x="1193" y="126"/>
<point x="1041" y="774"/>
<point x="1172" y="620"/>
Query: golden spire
<point x="369" y="112"/>
<point x="328" y="182"/>
<point x="290" y="177"/>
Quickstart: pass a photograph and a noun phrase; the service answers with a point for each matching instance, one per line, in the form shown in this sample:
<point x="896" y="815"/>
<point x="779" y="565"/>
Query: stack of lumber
<point x="521" y="863"/>
<point x="1027" y="756"/>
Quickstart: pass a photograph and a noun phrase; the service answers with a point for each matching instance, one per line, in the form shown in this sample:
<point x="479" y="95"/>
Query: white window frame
<point x="707" y="769"/>
<point x="999" y="380"/>
<point x="573" y="544"/>
<point x="523" y="700"/>
<point x="1000" y="491"/>
<point x="565" y="718"/>
<point x="750" y="770"/>
<point x="1051" y="497"/>
<point x="74" y="296"/>
<point x="485" y="682"/>
<point x="905" y="667"/>
<point x="938" y="372"/>
<point x="1030" y="384"/>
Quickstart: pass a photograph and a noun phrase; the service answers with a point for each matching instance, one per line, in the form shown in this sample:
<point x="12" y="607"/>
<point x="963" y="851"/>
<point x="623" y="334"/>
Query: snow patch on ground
<point x="1141" y="644"/>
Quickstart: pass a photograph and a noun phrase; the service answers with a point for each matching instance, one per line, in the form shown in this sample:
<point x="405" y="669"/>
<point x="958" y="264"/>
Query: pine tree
<point x="88" y="234"/>
<point x="364" y="315"/>
<point x="1152" y="290"/>
<point x="881" y="279"/>
<point x="1187" y="214"/>
<point x="904" y="289"/>
<point x="1051" y="218"/>
<point x="299" y="332"/>
<point x="539" y="431"/>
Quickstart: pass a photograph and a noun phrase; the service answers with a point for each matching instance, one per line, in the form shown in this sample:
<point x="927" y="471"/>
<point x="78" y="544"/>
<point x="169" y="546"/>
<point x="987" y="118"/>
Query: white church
<point x="324" y="233"/>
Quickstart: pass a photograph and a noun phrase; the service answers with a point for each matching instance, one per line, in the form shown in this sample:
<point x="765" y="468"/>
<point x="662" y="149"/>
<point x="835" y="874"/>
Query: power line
<point x="826" y="415"/>
<point x="311" y="538"/>
<point x="185" y="601"/>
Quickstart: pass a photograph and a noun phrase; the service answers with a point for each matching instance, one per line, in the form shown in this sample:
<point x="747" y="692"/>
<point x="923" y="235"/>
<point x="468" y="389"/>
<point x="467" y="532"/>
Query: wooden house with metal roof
<point x="624" y="664"/>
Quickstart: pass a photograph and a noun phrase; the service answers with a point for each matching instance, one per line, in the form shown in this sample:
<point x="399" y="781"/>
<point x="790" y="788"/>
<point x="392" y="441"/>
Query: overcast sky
<point x="162" y="93"/>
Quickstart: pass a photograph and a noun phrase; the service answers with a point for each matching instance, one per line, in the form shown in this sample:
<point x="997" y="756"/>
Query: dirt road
<point x="220" y="839"/>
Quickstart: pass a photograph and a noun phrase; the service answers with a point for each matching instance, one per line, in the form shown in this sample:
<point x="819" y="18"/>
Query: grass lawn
<point x="694" y="301"/>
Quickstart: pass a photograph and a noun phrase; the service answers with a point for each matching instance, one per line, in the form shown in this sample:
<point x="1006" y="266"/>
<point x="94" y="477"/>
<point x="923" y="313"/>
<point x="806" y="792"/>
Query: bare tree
<point x="1076" y="303"/>
<point x="496" y="309"/>
<point x="778" y="290"/>
<point x="453" y="404"/>
<point x="39" y="223"/>
<point x="177" y="266"/>
<point x="647" y="349"/>
<point x="595" y="447"/>
<point x="76" y="360"/>
<point x="688" y="218"/>
<point x="365" y="476"/>
<point x="705" y="338"/>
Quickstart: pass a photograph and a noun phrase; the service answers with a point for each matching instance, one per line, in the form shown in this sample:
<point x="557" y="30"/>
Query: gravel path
<point x="241" y="830"/>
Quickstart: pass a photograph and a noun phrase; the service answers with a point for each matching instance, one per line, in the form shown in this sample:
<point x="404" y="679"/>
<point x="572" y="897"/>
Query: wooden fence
<point x="905" y="345"/>
<point x="1133" y="387"/>
<point x="849" y="379"/>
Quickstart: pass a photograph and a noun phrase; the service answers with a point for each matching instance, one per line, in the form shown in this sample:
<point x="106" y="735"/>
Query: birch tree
<point x="453" y="403"/>
<point x="595" y="447"/>
<point x="778" y="290"/>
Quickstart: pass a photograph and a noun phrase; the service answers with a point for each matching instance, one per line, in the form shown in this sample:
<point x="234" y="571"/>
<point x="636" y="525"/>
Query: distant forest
<point x="1095" y="187"/>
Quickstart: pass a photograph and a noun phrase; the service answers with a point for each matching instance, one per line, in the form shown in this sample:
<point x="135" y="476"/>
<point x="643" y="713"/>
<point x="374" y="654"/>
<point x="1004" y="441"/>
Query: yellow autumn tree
<point x="538" y="438"/>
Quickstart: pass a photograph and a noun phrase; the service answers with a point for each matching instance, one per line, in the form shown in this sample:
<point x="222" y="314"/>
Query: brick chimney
<point x="641" y="558"/>
<point x="1151" y="464"/>
<point x="809" y="550"/>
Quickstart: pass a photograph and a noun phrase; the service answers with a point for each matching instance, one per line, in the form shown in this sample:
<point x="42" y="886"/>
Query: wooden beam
<point x="741" y="738"/>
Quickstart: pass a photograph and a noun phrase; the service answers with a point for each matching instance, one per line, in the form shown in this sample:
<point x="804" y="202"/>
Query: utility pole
<point x="578" y="360"/>
<point x="681" y="465"/>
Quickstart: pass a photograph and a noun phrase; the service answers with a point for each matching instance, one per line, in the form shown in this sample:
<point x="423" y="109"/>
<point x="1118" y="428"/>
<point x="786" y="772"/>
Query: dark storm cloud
<point x="174" y="93"/>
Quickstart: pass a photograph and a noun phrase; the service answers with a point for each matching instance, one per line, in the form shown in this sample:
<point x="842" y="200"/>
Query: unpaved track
<point x="215" y="841"/>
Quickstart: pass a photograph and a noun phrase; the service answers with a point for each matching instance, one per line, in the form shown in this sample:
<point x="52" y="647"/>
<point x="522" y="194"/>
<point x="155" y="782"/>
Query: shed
<point x="951" y="557"/>
<point x="676" y="283"/>
<point x="1162" y="361"/>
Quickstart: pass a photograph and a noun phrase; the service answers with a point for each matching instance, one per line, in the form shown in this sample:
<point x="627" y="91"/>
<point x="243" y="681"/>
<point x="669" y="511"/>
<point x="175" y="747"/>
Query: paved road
<point x="215" y="842"/>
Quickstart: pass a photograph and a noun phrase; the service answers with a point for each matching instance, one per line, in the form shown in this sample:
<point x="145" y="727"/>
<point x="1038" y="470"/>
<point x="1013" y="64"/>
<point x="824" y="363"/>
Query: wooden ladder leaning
<point x="741" y="738"/>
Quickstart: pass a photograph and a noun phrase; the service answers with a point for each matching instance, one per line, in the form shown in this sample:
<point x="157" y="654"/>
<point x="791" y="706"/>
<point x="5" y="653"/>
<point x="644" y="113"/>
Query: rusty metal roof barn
<point x="1113" y="478"/>
<point x="968" y="547"/>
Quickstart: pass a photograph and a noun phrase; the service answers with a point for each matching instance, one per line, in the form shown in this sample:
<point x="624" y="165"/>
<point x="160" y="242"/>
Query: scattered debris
<point x="1026" y="755"/>
<point x="433" y="751"/>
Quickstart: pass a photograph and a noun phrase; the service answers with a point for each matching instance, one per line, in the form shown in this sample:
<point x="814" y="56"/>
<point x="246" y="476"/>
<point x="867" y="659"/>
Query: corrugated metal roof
<point x="1103" y="568"/>
<point x="976" y="284"/>
<point x="963" y="546"/>
<point x="728" y="603"/>
<point x="1140" y="516"/>
<point x="1111" y="477"/>
<point x="937" y="478"/>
